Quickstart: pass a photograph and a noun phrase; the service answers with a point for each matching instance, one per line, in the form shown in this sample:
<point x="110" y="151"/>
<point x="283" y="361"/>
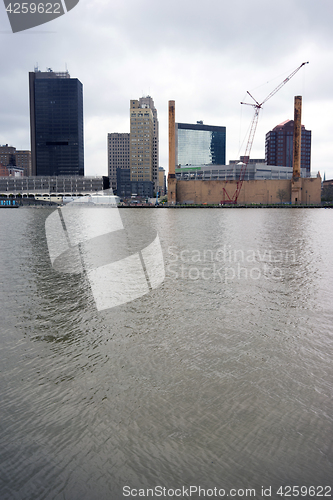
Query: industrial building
<point x="230" y="184"/>
<point x="56" y="124"/>
<point x="307" y="192"/>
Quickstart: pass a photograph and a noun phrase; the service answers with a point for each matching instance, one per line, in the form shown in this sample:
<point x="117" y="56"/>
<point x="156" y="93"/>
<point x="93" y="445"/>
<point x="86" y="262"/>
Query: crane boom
<point x="257" y="107"/>
<point x="286" y="80"/>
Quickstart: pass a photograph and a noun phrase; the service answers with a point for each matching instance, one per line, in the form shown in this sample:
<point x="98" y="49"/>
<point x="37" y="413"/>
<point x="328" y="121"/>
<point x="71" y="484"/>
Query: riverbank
<point x="30" y="202"/>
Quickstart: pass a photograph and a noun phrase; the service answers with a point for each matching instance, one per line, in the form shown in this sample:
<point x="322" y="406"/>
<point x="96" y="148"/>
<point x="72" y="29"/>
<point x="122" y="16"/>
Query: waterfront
<point x="221" y="377"/>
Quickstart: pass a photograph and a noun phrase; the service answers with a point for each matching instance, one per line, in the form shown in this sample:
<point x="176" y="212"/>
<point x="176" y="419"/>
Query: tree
<point x="282" y="195"/>
<point x="327" y="193"/>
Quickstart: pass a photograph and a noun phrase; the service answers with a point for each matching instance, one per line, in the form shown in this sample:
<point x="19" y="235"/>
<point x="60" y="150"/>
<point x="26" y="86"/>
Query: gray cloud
<point x="204" y="55"/>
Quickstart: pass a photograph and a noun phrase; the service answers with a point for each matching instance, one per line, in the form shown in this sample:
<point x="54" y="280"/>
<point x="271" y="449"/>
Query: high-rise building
<point x="8" y="155"/>
<point x="12" y="157"/>
<point x="56" y="123"/>
<point x="199" y="144"/>
<point x="118" y="156"/>
<point x="279" y="146"/>
<point x="23" y="160"/>
<point x="144" y="145"/>
<point x="148" y="102"/>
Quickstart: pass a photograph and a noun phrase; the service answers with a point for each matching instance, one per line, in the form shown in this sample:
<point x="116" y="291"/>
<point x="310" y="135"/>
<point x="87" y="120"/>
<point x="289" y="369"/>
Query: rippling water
<point x="221" y="377"/>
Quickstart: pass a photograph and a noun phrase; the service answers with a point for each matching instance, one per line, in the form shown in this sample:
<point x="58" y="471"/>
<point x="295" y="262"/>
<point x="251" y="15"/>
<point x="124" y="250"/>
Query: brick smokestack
<point x="172" y="139"/>
<point x="172" y="183"/>
<point x="297" y="137"/>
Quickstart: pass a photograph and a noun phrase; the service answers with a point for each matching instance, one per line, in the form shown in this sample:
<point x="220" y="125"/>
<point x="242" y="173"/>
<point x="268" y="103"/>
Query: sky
<point x="204" y="55"/>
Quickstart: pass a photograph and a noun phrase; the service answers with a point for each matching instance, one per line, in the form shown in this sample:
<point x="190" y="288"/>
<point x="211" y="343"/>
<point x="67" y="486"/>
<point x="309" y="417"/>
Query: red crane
<point x="257" y="107"/>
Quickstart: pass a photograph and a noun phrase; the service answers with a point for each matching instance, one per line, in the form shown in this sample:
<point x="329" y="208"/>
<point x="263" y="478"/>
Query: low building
<point x="127" y="188"/>
<point x="124" y="187"/>
<point x="254" y="171"/>
<point x="245" y="159"/>
<point x="57" y="186"/>
<point x="10" y="171"/>
<point x="267" y="191"/>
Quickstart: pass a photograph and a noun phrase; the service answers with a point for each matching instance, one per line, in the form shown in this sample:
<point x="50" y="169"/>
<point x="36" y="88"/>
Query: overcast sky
<point x="204" y="55"/>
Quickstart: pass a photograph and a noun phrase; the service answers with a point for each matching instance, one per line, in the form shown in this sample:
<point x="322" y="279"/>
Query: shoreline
<point x="185" y="206"/>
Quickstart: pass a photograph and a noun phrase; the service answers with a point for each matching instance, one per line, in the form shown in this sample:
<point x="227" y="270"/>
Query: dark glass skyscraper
<point x="199" y="144"/>
<point x="56" y="124"/>
<point x="279" y="146"/>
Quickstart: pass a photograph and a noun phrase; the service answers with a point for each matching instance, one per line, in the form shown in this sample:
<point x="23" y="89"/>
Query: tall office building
<point x="279" y="146"/>
<point x="199" y="144"/>
<point x="8" y="155"/>
<point x="144" y="146"/>
<point x="56" y="123"/>
<point x="118" y="156"/>
<point x="12" y="157"/>
<point x="148" y="102"/>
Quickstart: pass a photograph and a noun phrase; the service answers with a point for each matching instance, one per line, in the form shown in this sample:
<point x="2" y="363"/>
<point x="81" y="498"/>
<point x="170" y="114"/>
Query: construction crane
<point x="257" y="107"/>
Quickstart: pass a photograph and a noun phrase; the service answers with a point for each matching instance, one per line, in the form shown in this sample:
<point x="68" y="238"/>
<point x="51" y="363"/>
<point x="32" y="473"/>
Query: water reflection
<point x="202" y="381"/>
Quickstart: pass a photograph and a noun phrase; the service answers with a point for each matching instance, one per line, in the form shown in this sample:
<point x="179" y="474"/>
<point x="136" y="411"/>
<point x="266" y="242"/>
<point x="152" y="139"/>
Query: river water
<point x="221" y="377"/>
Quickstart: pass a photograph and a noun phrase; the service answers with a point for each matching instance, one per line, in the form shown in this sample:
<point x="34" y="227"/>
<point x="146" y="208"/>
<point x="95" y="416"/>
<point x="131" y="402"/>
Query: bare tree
<point x="282" y="195"/>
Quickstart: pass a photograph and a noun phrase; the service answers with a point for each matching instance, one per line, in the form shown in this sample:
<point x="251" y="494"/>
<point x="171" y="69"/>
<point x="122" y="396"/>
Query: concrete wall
<point x="263" y="191"/>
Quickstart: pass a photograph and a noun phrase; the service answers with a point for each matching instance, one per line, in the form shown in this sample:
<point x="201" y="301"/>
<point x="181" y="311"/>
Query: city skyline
<point x="201" y="61"/>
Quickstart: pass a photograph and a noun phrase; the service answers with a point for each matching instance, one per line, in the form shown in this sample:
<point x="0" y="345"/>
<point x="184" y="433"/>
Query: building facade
<point x="279" y="146"/>
<point x="23" y="160"/>
<point x="118" y="156"/>
<point x="12" y="157"/>
<point x="148" y="102"/>
<point x="58" y="185"/>
<point x="246" y="159"/>
<point x="256" y="191"/>
<point x="161" y="181"/>
<point x="144" y="144"/>
<point x="254" y="171"/>
<point x="199" y="144"/>
<point x="8" y="155"/>
<point x="56" y="124"/>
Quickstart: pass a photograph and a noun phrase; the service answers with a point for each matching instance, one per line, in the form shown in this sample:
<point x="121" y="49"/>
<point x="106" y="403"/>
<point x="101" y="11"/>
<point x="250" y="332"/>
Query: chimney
<point x="172" y="139"/>
<point x="172" y="183"/>
<point x="297" y="137"/>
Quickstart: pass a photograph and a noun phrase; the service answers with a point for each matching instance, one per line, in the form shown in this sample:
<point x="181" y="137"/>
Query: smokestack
<point x="172" y="139"/>
<point x="297" y="137"/>
<point x="172" y="183"/>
